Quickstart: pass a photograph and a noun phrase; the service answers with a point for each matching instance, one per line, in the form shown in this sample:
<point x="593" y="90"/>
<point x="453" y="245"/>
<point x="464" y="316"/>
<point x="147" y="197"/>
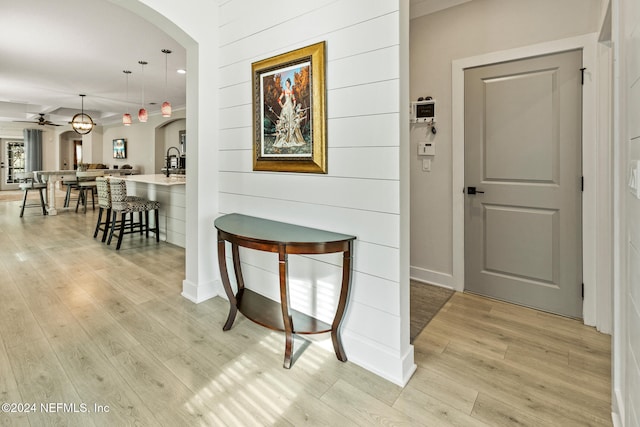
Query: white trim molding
<point x="198" y="293"/>
<point x="380" y="360"/>
<point x="432" y="277"/>
<point x="591" y="170"/>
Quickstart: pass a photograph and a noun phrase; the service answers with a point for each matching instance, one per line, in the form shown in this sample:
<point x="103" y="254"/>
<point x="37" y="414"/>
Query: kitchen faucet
<point x="168" y="159"/>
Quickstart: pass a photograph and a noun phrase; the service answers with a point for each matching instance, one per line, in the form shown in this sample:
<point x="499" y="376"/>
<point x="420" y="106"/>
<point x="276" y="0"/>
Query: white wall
<point x="472" y="29"/>
<point x="15" y="131"/>
<point x="626" y="361"/>
<point x="141" y="142"/>
<point x="166" y="137"/>
<point x="171" y="135"/>
<point x="194" y="27"/>
<point x="360" y="195"/>
<point x="67" y="148"/>
<point x="363" y="192"/>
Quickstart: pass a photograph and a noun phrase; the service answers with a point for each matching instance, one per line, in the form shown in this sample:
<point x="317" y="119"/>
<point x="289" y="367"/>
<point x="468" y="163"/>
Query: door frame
<point x="594" y="313"/>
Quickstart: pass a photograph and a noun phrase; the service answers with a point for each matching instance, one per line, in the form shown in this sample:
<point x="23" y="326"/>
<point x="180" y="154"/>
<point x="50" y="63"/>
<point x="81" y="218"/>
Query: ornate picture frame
<point x="289" y="111"/>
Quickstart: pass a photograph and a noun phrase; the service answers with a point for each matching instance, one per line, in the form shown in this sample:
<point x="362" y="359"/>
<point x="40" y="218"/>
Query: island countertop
<point x="158" y="179"/>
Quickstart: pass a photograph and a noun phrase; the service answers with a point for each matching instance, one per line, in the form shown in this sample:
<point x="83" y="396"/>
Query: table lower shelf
<point x="268" y="313"/>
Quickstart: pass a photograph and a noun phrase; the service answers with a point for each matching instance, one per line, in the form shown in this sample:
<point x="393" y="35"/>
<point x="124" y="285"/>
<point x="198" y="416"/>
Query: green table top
<point x="267" y="230"/>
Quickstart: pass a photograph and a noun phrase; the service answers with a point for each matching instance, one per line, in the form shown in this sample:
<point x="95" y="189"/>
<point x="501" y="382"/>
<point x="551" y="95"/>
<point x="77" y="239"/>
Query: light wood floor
<point x="83" y="324"/>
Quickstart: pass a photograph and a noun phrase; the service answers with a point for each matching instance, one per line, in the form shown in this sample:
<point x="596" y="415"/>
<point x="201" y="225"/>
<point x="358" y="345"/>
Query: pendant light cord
<point x="142" y="63"/>
<point x="166" y="62"/>
<point x="126" y="73"/>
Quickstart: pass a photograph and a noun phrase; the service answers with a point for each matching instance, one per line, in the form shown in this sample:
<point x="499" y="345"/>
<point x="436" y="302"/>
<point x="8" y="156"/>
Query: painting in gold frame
<point x="289" y="124"/>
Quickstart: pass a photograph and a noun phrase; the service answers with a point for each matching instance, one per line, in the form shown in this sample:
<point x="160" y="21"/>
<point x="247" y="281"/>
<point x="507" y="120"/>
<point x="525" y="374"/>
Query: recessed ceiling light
<point x="181" y="71"/>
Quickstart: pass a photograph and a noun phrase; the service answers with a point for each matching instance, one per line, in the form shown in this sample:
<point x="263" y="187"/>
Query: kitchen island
<point x="54" y="179"/>
<point x="170" y="193"/>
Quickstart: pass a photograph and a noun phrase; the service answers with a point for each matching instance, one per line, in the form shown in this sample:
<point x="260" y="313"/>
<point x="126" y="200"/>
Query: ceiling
<point x="420" y="8"/>
<point x="53" y="51"/>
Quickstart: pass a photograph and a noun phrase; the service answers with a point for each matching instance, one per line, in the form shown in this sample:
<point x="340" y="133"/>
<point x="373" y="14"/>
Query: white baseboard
<point x="615" y="419"/>
<point x="200" y="292"/>
<point x="380" y="360"/>
<point x="617" y="416"/>
<point x="437" y="278"/>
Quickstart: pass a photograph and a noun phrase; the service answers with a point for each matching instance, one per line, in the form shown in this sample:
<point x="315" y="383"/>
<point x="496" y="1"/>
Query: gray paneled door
<point x="523" y="143"/>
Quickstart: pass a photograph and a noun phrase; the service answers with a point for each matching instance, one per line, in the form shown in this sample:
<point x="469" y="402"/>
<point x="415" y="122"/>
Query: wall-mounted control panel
<point x="426" y="149"/>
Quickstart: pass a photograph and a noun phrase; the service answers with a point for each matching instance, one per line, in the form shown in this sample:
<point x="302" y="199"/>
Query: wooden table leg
<point x="237" y="267"/>
<point x="342" y="304"/>
<point x="284" y="304"/>
<point x="224" y="275"/>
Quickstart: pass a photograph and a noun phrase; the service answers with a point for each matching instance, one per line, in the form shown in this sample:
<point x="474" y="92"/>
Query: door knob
<point x="473" y="190"/>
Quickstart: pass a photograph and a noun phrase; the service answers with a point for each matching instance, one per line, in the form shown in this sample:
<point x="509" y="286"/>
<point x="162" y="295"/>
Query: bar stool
<point x="104" y="205"/>
<point x="27" y="182"/>
<point x="121" y="205"/>
<point x="87" y="183"/>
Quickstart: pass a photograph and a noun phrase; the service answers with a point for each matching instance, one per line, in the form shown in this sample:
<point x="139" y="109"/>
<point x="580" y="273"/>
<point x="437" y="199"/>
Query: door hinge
<point x="582" y="183"/>
<point x="582" y="78"/>
<point x="583" y="291"/>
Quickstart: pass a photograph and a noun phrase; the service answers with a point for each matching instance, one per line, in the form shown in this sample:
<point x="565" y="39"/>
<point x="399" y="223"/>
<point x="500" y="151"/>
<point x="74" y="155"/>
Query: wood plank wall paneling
<point x="363" y="100"/>
<point x="379" y="35"/>
<point x="364" y="194"/>
<point x="171" y="215"/>
<point x="630" y="20"/>
<point x="361" y="193"/>
<point x="367" y="65"/>
<point x="296" y="22"/>
<point x="358" y="221"/>
<point x="372" y="130"/>
<point x="243" y="19"/>
<point x="381" y="163"/>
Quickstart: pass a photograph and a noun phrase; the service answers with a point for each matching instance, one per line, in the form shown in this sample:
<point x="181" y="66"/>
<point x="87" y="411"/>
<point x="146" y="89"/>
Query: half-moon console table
<point x="283" y="239"/>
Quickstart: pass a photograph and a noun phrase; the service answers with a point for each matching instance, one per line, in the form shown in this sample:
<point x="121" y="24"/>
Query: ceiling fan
<point x="41" y="121"/>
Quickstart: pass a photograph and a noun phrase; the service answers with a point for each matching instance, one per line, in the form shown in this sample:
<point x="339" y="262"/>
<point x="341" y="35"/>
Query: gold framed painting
<point x="289" y="119"/>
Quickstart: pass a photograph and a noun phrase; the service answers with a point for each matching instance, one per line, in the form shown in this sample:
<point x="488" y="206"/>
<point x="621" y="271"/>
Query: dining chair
<point x="27" y="181"/>
<point x="87" y="185"/>
<point x="72" y="184"/>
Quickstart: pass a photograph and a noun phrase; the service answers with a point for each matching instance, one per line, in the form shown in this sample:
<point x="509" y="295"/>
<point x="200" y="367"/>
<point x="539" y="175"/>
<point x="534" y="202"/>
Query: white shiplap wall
<point x="627" y="325"/>
<point x="360" y="195"/>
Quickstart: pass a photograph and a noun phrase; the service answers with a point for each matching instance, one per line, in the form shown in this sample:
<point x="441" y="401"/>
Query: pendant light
<point x="82" y="123"/>
<point x="126" y="117"/>
<point x="166" y="105"/>
<point x="142" y="113"/>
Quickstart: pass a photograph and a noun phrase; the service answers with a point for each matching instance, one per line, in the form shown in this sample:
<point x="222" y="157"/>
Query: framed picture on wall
<point x="289" y="119"/>
<point x="120" y="148"/>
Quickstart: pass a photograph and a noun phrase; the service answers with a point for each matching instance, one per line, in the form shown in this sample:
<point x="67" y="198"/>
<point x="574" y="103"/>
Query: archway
<point x="68" y="154"/>
<point x="201" y="43"/>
